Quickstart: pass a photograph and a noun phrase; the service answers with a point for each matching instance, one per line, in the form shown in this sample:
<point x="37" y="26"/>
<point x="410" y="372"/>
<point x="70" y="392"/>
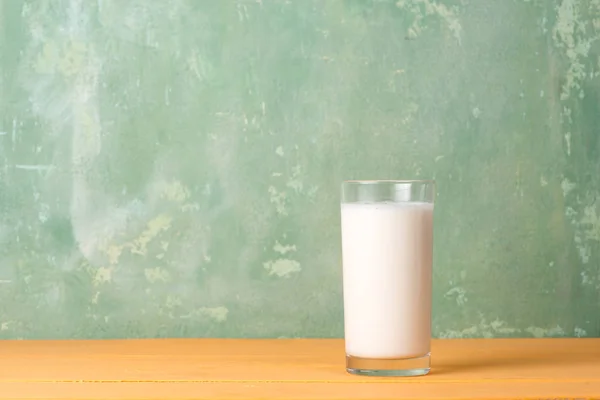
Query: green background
<point x="172" y="168"/>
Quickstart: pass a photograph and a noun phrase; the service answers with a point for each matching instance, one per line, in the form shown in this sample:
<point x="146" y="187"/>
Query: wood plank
<point x="295" y="368"/>
<point x="294" y="391"/>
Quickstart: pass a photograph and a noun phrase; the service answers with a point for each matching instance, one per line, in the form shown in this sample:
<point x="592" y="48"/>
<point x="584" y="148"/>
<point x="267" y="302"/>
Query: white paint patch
<point x="543" y="181"/>
<point x="190" y="207"/>
<point x="5" y="325"/>
<point x="569" y="33"/>
<point x="591" y="223"/>
<point x="218" y="314"/>
<point x="199" y="66"/>
<point x="538" y="332"/>
<point x="585" y="279"/>
<point x="584" y="250"/>
<point x="279" y="151"/>
<point x="103" y="274"/>
<point x="34" y="167"/>
<point x="281" y="249"/>
<point x="174" y="191"/>
<point x="157" y="275"/>
<point x="167" y="96"/>
<point x="113" y="252"/>
<point x="423" y="8"/>
<point x="459" y="294"/>
<point x="282" y="267"/>
<point x="567" y="186"/>
<point x="76" y="62"/>
<point x="499" y="326"/>
<point x="483" y="329"/>
<point x="476" y="112"/>
<point x="295" y="181"/>
<point x="44" y="213"/>
<point x="568" y="142"/>
<point x="160" y="223"/>
<point x="279" y="199"/>
<point x="174" y="301"/>
<point x="578" y="332"/>
<point x="14" y="134"/>
<point x="467" y="332"/>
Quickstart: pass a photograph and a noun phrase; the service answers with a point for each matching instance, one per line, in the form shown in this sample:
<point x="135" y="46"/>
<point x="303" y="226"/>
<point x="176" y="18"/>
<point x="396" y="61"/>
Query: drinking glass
<point x="387" y="244"/>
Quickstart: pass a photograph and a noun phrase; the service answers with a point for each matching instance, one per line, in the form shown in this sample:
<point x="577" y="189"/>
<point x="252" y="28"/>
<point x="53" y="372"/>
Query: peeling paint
<point x="483" y="329"/>
<point x="424" y="8"/>
<point x="458" y="294"/>
<point x="175" y="191"/>
<point x="538" y="332"/>
<point x="279" y="199"/>
<point x="566" y="186"/>
<point x="590" y="222"/>
<point x="218" y="314"/>
<point x="154" y="227"/>
<point x="103" y="275"/>
<point x="283" y="249"/>
<point x="295" y="181"/>
<point x="282" y="267"/>
<point x="570" y="35"/>
<point x="157" y="274"/>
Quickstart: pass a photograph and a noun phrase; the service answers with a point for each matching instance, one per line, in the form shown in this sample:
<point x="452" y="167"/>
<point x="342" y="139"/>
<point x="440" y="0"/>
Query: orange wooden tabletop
<point x="292" y="369"/>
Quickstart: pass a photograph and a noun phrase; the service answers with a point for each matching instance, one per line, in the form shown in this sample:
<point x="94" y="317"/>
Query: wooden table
<point x="291" y="369"/>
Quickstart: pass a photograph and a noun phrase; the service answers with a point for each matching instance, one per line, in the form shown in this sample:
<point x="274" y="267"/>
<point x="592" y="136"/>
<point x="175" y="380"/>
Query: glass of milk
<point x="387" y="243"/>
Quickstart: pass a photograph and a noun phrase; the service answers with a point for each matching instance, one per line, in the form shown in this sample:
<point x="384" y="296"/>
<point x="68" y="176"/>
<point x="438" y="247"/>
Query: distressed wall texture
<point x="172" y="168"/>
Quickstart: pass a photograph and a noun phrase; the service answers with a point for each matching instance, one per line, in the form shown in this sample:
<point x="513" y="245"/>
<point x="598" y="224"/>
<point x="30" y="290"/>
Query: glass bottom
<point x="388" y="367"/>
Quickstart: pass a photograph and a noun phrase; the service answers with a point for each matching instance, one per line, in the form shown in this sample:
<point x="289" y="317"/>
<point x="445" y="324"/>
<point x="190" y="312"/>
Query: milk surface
<point x="387" y="259"/>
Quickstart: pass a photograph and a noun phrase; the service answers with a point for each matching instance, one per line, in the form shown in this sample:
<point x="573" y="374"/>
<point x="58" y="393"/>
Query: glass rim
<point x="391" y="181"/>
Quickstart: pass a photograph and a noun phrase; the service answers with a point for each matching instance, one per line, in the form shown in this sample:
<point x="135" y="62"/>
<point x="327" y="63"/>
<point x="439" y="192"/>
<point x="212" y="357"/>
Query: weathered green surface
<point x="171" y="168"/>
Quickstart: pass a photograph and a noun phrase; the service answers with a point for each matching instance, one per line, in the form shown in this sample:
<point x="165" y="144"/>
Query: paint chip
<point x="283" y="249"/>
<point x="282" y="267"/>
<point x="219" y="314"/>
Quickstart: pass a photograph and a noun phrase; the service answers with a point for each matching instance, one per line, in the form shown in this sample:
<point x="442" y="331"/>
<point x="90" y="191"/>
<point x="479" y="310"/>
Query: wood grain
<point x="293" y="369"/>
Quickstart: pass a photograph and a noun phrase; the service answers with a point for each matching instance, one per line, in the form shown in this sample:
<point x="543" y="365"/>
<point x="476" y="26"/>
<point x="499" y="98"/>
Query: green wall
<point x="172" y="168"/>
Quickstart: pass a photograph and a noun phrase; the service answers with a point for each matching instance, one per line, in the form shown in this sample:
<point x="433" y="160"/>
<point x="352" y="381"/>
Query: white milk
<point x="387" y="257"/>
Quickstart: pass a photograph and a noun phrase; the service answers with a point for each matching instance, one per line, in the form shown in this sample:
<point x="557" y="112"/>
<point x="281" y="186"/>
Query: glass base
<point x="388" y="367"/>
